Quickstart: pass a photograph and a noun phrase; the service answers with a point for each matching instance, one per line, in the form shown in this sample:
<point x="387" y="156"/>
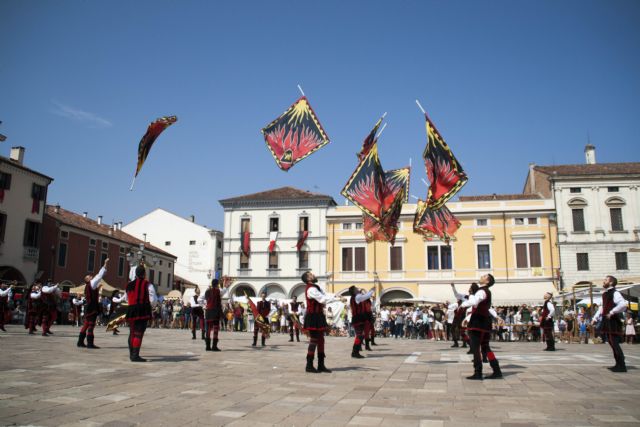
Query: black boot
<point x="80" y="339"/>
<point x="202" y="334"/>
<point x="90" y="343"/>
<point x="497" y="373"/>
<point x="255" y="340"/>
<point x="366" y="344"/>
<point x="116" y="331"/>
<point x="464" y="344"/>
<point x="207" y="342"/>
<point x="455" y="344"/>
<point x="619" y="368"/>
<point x="321" y="367"/>
<point x="214" y="347"/>
<point x="373" y="340"/>
<point x="291" y="337"/>
<point x="298" y="336"/>
<point x="310" y="367"/>
<point x="264" y="340"/>
<point x="469" y="352"/>
<point x="477" y="375"/>
<point x="355" y="353"/>
<point x="484" y="359"/>
<point x="193" y="334"/>
<point x="135" y="355"/>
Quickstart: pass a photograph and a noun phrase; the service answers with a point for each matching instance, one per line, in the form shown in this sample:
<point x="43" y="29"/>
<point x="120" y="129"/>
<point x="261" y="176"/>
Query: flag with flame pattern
<point x="294" y="135"/>
<point x="431" y="223"/>
<point x="446" y="176"/>
<point x="153" y="132"/>
<point x="397" y="186"/>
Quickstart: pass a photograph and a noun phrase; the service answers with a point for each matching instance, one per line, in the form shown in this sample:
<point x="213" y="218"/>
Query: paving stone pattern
<point x="48" y="381"/>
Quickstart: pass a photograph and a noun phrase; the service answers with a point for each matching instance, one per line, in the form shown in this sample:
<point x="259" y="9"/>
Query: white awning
<point x="512" y="293"/>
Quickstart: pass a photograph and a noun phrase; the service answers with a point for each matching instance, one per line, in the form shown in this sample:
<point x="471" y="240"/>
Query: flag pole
<point x="132" y="183"/>
<point x="381" y="130"/>
<point x="425" y="182"/>
<point x="420" y="107"/>
<point x="300" y="89"/>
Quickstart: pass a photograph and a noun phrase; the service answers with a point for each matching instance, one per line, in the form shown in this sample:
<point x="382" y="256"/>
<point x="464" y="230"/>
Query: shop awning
<point x="511" y="293"/>
<point x="106" y="290"/>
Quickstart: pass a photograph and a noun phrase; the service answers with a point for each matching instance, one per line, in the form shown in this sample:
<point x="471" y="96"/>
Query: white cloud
<point x="80" y="116"/>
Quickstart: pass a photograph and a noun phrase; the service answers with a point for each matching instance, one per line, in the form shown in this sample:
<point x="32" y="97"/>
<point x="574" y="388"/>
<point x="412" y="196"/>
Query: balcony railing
<point x="31" y="253"/>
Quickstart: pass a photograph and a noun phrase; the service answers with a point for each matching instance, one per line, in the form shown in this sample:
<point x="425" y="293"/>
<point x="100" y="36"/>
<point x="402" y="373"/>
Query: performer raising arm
<point x="140" y="294"/>
<point x="315" y="321"/>
<point x="91" y="295"/>
<point x="480" y="328"/>
<point x="612" y="305"/>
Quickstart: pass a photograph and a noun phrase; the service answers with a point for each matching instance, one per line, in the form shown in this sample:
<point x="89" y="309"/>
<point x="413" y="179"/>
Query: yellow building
<point x="512" y="237"/>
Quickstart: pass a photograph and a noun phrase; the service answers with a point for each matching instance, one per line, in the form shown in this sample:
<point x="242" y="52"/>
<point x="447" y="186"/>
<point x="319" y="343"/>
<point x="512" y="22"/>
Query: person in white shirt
<point x="315" y="321"/>
<point x="359" y="317"/>
<point x="5" y="296"/>
<point x="384" y="318"/>
<point x="546" y="321"/>
<point x="613" y="305"/>
<point x="78" y="302"/>
<point x="480" y="326"/>
<point x="197" y="314"/>
<point x="92" y="296"/>
<point x="49" y="307"/>
<point x="449" y="316"/>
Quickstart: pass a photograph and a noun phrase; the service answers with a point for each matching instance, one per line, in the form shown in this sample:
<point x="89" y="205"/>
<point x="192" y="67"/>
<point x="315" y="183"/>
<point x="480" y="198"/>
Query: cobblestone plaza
<point x="47" y="381"/>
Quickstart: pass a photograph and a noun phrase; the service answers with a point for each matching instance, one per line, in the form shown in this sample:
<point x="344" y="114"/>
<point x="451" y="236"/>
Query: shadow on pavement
<point x="351" y="368"/>
<point x="171" y="358"/>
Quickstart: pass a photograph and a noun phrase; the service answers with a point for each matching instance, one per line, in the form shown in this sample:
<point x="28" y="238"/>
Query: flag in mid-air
<point x="365" y="187"/>
<point x="370" y="140"/>
<point x="153" y="132"/>
<point x="397" y="190"/>
<point x="445" y="174"/>
<point x="431" y="223"/>
<point x="294" y="135"/>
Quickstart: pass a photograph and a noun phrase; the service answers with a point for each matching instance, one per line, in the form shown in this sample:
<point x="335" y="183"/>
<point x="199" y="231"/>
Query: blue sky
<point x="506" y="82"/>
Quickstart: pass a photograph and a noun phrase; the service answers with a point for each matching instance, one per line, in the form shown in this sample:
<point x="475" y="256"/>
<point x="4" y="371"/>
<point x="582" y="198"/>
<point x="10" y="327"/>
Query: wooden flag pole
<point x="301" y="91"/>
<point x="132" y="183"/>
<point x="420" y="107"/>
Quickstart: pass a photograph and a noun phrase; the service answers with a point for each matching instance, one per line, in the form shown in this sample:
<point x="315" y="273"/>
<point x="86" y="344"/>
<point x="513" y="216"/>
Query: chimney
<point x="84" y="214"/>
<point x="590" y="154"/>
<point x="532" y="181"/>
<point x="17" y="154"/>
<point x="120" y="225"/>
<point x="99" y="219"/>
<point x="192" y="218"/>
<point x="56" y="208"/>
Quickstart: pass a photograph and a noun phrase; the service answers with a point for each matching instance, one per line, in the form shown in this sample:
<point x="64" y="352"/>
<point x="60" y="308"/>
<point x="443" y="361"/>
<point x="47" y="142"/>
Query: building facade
<point x="598" y="210"/>
<point x="198" y="248"/>
<point x="284" y="216"/>
<point x="509" y="236"/>
<point x="23" y="195"/>
<point x="74" y="245"/>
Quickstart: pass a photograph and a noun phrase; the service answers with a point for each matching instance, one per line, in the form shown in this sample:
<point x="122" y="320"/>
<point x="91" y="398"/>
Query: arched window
<point x="615" y="205"/>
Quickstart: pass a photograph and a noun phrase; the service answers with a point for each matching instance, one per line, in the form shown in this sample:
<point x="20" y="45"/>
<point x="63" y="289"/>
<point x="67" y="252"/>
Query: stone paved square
<point x="47" y="381"/>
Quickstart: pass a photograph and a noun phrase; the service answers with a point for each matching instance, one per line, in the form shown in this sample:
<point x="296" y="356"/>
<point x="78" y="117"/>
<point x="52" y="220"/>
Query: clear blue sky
<point x="506" y="82"/>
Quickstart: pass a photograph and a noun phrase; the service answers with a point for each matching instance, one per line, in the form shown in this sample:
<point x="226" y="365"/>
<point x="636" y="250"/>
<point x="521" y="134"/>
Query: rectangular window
<point x="3" y="226"/>
<point x="621" y="261"/>
<point x="120" y="266"/>
<point x="103" y="258"/>
<point x="521" y="255"/>
<point x="575" y="190"/>
<point x="5" y="181"/>
<point x="244" y="261"/>
<point x="484" y="256"/>
<point x="192" y="242"/>
<point x="62" y="254"/>
<point x="347" y="259"/>
<point x="303" y="259"/>
<point x="396" y="258"/>
<point x="105" y="246"/>
<point x="64" y="234"/>
<point x="273" y="260"/>
<point x="535" y="260"/>
<point x="432" y="258"/>
<point x="358" y="225"/>
<point x="481" y="222"/>
<point x="532" y="221"/>
<point x="274" y="224"/>
<point x="360" y="259"/>
<point x="583" y="261"/>
<point x="578" y="219"/>
<point x="245" y="225"/>
<point x="613" y="189"/>
<point x="304" y="223"/>
<point x="518" y="221"/>
<point x="446" y="260"/>
<point x="616" y="219"/>
<point x="159" y="278"/>
<point x="169" y="284"/>
<point x="167" y="243"/>
<point x="38" y="192"/>
<point x="91" y="262"/>
<point x="219" y="244"/>
<point x="31" y="234"/>
<point x="346" y="226"/>
<point x="122" y="250"/>
<point x="160" y="262"/>
<point x="152" y="275"/>
<point x="92" y="242"/>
